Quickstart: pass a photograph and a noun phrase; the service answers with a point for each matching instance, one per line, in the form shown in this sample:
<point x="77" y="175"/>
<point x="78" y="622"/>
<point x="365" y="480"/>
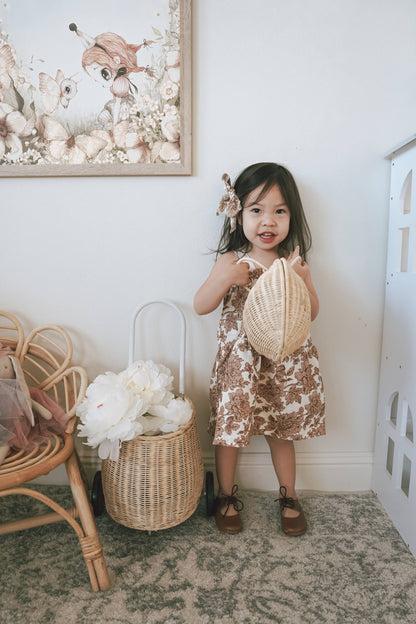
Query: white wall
<point x="325" y="87"/>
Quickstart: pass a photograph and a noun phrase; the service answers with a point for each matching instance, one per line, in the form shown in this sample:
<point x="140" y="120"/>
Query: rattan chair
<point x="45" y="357"/>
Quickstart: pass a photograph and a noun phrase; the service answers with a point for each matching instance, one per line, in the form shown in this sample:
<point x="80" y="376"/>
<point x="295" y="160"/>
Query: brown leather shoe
<point x="291" y="526"/>
<point x="228" y="524"/>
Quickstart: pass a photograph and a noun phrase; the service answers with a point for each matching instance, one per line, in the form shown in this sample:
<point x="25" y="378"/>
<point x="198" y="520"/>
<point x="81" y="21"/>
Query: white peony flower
<point x="152" y="382"/>
<point x="177" y="412"/>
<point x="137" y="401"/>
<point x="151" y="424"/>
<point x="108" y="414"/>
<point x="169" y="427"/>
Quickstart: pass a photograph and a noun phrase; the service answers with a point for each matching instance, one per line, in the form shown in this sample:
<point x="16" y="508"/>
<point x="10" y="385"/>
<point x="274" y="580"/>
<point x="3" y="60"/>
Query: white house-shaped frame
<point x="394" y="476"/>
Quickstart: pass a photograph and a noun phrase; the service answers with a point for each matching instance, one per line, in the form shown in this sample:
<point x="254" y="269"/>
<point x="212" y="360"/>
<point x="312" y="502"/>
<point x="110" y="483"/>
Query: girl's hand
<point x="225" y="273"/>
<point x="298" y="265"/>
<point x="237" y="272"/>
<point x="302" y="269"/>
<point x="294" y="257"/>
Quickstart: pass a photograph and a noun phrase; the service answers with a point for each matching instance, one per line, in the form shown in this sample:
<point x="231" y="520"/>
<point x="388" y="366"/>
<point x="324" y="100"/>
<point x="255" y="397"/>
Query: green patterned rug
<point x="351" y="567"/>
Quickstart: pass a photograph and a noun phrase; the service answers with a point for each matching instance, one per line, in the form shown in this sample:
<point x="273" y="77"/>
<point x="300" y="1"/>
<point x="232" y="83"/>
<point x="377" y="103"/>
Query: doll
<point x="27" y="415"/>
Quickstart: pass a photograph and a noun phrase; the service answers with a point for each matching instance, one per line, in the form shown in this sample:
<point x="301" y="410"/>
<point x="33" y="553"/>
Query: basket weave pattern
<point x="277" y="312"/>
<point x="157" y="481"/>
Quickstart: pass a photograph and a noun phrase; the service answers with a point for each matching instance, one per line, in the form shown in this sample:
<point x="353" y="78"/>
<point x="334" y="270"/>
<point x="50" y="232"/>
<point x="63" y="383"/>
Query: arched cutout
<point x="406" y="473"/>
<point x="409" y="424"/>
<point x="406" y="194"/>
<point x="394" y="406"/>
<point x="390" y="456"/>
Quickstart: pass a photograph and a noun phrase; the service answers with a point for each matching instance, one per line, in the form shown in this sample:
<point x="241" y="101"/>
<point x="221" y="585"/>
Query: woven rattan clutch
<point x="277" y="312"/>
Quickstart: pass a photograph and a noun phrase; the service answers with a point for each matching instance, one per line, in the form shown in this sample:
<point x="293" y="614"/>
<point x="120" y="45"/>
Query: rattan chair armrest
<point x="11" y="332"/>
<point x="48" y="350"/>
<point x="69" y="388"/>
<point x="70" y="425"/>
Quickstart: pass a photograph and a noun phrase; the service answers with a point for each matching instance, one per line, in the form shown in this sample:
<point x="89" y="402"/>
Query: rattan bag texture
<point x="156" y="483"/>
<point x="277" y="312"/>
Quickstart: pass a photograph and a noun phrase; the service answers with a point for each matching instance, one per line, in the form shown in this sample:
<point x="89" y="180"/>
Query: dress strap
<point x="249" y="260"/>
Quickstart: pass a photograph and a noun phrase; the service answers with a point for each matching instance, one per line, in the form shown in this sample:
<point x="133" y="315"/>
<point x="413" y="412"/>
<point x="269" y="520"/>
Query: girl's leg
<point x="284" y="463"/>
<point x="226" y="464"/>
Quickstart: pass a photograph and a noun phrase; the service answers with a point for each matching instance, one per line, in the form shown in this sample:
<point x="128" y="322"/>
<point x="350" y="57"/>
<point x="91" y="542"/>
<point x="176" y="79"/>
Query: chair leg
<point x="90" y="544"/>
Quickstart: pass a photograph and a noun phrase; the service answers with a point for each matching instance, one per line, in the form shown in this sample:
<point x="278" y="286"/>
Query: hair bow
<point x="229" y="203"/>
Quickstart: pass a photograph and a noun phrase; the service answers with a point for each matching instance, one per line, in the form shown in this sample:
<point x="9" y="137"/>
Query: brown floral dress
<point x="252" y="395"/>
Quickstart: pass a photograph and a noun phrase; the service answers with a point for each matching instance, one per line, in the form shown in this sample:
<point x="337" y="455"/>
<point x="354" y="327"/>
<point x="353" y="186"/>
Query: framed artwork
<point x="93" y="88"/>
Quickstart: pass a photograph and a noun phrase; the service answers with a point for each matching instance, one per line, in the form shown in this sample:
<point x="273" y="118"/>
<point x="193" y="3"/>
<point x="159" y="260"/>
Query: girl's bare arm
<point x="225" y="273"/>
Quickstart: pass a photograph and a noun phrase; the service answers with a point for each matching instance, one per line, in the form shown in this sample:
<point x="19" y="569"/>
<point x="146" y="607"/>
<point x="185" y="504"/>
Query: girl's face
<point x="102" y="74"/>
<point x="265" y="221"/>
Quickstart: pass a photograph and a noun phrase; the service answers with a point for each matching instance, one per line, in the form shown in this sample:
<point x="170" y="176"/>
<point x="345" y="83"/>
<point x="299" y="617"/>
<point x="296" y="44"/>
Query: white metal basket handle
<point x="180" y="314"/>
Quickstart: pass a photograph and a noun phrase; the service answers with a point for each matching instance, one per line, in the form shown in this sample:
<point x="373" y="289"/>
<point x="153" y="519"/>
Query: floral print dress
<point x="252" y="395"/>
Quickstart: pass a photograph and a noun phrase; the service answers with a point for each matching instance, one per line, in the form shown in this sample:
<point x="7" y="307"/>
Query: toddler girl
<point x="250" y="394"/>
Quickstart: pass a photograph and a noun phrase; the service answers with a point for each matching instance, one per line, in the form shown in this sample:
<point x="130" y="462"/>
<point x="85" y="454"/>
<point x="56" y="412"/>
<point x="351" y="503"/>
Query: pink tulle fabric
<point x="16" y="429"/>
<point x="27" y="436"/>
<point x="14" y="410"/>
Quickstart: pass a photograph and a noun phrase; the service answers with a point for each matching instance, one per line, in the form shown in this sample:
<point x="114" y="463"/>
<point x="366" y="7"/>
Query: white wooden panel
<point x="394" y="475"/>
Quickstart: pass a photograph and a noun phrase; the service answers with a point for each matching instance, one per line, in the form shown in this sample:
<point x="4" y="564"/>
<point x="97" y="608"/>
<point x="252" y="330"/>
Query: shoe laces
<point x="284" y="500"/>
<point x="231" y="499"/>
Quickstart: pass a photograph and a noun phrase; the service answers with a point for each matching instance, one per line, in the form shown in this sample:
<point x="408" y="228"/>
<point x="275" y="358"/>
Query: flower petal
<point x="90" y="145"/>
<point x="5" y="109"/>
<point x="15" y="145"/>
<point x="139" y="154"/>
<point x="15" y="122"/>
<point x="76" y="156"/>
<point x="57" y="149"/>
<point x="53" y="130"/>
<point x="170" y="152"/>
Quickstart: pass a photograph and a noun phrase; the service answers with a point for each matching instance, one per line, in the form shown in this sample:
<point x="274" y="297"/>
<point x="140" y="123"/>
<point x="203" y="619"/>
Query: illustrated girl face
<point x="103" y="74"/>
<point x="109" y="59"/>
<point x="266" y="219"/>
<point x="100" y="66"/>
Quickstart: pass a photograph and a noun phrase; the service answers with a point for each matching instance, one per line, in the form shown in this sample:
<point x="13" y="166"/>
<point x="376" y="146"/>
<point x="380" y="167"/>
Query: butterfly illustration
<point x="64" y="146"/>
<point x="6" y="64"/>
<point x="55" y="91"/>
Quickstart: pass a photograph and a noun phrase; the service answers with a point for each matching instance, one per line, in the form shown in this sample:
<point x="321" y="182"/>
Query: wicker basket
<point x="277" y="312"/>
<point x="156" y="483"/>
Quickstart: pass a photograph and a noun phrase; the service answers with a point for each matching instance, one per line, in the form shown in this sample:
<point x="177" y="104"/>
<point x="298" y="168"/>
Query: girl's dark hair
<point x="267" y="175"/>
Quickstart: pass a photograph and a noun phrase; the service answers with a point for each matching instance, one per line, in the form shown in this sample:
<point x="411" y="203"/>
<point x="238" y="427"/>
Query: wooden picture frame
<point x="55" y="120"/>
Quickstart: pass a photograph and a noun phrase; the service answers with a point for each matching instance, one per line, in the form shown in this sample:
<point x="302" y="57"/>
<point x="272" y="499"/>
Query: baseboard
<point x="90" y="463"/>
<point x="328" y="472"/>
